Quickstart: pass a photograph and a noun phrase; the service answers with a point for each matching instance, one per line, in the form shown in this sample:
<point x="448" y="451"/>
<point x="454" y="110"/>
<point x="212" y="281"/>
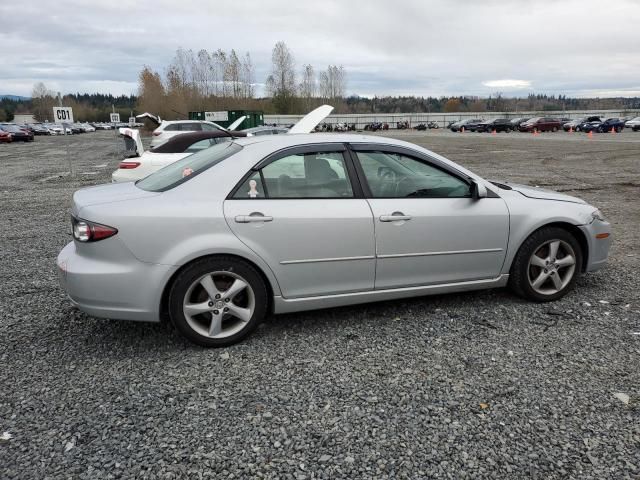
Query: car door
<point x="428" y="227"/>
<point x="302" y="212"/>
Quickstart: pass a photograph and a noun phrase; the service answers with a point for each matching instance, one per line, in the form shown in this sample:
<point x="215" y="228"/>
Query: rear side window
<point x="300" y="176"/>
<point x="174" y="127"/>
<point x="185" y="169"/>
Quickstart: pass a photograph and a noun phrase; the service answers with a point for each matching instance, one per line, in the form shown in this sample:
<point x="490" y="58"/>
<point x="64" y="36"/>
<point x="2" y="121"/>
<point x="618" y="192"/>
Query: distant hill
<point x="17" y="98"/>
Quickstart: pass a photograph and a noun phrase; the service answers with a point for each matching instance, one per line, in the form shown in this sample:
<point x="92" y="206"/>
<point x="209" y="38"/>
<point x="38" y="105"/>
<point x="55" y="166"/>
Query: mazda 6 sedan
<point x="218" y="240"/>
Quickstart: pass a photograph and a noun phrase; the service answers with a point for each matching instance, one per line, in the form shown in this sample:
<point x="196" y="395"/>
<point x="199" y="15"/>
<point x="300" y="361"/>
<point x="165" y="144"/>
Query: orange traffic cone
<point x="570" y="129"/>
<point x="590" y="134"/>
<point x="613" y="131"/>
<point x="493" y="132"/>
<point x="462" y="130"/>
<point x="535" y="131"/>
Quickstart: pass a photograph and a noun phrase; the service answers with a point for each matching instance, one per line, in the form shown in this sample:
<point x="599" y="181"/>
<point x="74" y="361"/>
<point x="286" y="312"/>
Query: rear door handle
<point x="394" y="217"/>
<point x="252" y="218"/>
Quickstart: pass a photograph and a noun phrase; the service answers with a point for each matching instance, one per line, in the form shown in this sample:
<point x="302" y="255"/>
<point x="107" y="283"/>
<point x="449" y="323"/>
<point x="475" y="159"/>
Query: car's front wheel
<point x="217" y="301"/>
<point x="547" y="265"/>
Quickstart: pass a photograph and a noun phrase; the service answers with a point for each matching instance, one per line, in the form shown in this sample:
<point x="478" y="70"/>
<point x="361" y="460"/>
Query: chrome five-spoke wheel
<point x="217" y="301"/>
<point x="219" y="304"/>
<point x="547" y="265"/>
<point x="551" y="267"/>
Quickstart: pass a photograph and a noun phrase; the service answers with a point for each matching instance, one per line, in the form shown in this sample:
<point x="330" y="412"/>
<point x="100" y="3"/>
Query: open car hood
<point x="311" y="120"/>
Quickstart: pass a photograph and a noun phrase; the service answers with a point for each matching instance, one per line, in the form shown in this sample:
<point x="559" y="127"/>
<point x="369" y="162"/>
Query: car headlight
<point x="597" y="215"/>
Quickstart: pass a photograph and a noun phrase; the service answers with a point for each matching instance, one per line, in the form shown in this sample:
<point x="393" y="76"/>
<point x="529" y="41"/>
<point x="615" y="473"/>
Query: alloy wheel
<point x="551" y="267"/>
<point x="219" y="304"/>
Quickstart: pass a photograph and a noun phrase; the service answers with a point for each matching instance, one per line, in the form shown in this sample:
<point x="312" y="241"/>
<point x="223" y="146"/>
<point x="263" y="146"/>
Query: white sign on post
<point x="62" y="115"/>
<point x="115" y="117"/>
<point x="216" y="116"/>
<point x="132" y="121"/>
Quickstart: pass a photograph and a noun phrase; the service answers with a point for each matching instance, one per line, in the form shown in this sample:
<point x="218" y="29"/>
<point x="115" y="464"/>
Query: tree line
<point x="219" y="80"/>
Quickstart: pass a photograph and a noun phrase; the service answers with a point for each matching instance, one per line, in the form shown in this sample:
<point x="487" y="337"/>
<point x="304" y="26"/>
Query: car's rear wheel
<point x="547" y="265"/>
<point x="217" y="301"/>
<point x="555" y="129"/>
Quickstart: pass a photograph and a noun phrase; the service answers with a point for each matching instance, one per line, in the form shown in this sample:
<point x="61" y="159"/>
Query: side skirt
<point x="284" y="305"/>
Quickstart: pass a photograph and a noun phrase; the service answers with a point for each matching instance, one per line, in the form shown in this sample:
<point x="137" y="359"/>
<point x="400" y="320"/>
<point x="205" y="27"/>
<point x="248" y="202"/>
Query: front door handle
<point x="395" y="217"/>
<point x="252" y="218"/>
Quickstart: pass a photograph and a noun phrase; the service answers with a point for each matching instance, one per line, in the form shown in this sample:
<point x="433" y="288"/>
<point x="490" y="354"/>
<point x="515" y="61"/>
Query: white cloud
<point x="507" y="83"/>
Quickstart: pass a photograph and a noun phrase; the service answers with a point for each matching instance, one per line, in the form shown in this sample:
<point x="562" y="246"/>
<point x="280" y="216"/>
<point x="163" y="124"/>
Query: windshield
<point x="185" y="169"/>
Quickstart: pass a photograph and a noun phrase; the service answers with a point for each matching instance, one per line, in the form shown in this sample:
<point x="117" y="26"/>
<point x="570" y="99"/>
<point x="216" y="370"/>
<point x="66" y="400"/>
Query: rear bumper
<point x="598" y="247"/>
<point x="123" y="288"/>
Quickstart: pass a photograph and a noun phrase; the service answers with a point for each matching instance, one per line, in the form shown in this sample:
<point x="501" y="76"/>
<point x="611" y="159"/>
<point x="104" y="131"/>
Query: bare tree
<point x="333" y="82"/>
<point x="308" y="85"/>
<point x="281" y="83"/>
<point x="43" y="102"/>
<point x="247" y="76"/>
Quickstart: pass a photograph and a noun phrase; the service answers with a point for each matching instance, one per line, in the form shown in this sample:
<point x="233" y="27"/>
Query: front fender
<point x="528" y="215"/>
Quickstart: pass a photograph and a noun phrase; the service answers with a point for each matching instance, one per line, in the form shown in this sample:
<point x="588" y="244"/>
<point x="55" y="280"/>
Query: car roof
<point x="276" y="142"/>
<point x="180" y="143"/>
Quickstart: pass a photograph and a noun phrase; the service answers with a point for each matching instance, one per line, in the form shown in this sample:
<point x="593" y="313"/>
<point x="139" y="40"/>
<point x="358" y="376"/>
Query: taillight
<point x="129" y="165"/>
<point x="85" y="231"/>
<point x="155" y="134"/>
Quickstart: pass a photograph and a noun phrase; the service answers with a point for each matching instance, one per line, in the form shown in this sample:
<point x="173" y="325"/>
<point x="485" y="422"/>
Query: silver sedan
<point x="220" y="239"/>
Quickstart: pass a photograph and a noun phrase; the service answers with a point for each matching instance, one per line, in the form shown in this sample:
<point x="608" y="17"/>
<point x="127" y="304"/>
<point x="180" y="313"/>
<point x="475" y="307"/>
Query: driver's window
<point x="391" y="175"/>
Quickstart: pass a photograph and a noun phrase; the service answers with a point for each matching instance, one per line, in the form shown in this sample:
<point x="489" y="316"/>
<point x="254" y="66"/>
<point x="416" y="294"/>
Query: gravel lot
<point x="479" y="385"/>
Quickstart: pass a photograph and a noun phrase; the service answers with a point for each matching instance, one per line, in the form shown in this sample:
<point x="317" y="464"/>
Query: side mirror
<point x="478" y="191"/>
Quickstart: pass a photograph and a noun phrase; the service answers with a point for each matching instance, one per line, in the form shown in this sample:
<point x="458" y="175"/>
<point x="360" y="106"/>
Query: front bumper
<point x="598" y="247"/>
<point x="120" y="287"/>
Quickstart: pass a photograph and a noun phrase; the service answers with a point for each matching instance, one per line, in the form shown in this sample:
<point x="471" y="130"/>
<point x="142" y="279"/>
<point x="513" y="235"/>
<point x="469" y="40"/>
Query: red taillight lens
<point x="129" y="165"/>
<point x="155" y="134"/>
<point x="85" y="231"/>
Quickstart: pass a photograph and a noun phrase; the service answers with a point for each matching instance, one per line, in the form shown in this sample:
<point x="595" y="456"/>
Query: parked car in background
<point x="540" y="124"/>
<point x="632" y="123"/>
<point x="87" y="127"/>
<point x="17" y="133"/>
<point x="515" y="122"/>
<point x="497" y="125"/>
<point x="579" y="122"/>
<point x="171" y="128"/>
<point x="5" y="137"/>
<point x="469" y="124"/>
<point x="607" y="125"/>
<point x="39" y="129"/>
<point x="144" y="162"/>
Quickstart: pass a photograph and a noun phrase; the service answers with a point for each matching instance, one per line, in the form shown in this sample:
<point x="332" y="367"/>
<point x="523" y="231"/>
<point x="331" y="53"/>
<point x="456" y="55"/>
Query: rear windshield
<point x="185" y="169"/>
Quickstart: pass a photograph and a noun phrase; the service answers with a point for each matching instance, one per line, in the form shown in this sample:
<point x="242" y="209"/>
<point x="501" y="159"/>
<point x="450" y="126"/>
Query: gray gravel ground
<point x="479" y="385"/>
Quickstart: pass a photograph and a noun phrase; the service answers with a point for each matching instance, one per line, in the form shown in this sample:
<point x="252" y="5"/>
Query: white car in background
<point x="142" y="163"/>
<point x="87" y="127"/>
<point x="171" y="128"/>
<point x="634" y="122"/>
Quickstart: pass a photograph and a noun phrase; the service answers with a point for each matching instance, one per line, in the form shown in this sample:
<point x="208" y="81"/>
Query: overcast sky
<point x="388" y="47"/>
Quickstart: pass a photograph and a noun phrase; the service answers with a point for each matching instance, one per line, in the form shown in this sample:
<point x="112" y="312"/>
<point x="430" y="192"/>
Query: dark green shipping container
<point x="254" y="118"/>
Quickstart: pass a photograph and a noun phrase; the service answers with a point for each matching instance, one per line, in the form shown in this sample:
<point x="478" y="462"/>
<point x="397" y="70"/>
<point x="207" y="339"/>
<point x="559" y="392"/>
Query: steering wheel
<point x="436" y="182"/>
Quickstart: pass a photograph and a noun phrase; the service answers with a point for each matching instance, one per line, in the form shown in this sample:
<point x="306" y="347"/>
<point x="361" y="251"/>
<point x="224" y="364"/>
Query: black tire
<point x="200" y="268"/>
<point x="519" y="274"/>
